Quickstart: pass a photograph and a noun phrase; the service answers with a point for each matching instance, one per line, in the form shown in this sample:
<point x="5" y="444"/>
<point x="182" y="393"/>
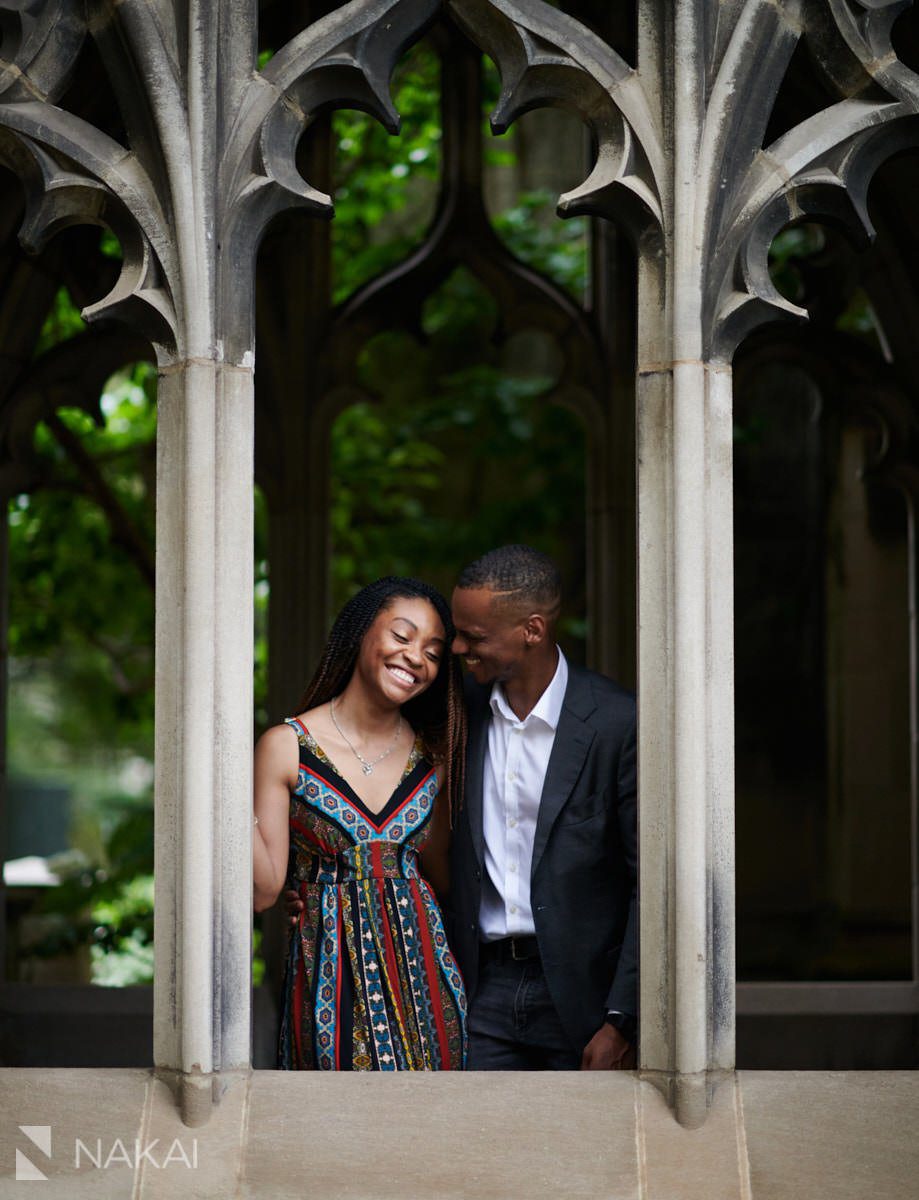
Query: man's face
<point x="489" y="638"/>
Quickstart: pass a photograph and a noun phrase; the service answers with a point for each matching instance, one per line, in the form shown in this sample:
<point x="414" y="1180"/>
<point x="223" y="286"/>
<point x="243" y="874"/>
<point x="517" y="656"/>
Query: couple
<point x="525" y="825"/>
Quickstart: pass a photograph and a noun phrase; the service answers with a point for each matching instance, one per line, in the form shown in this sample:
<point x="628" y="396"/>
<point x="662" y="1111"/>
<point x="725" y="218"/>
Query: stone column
<point x="203" y="727"/>
<point x="683" y="166"/>
<point x="230" y="170"/>
<point x="685" y="623"/>
<point x="210" y="160"/>
<point x="703" y="286"/>
<point x="686" y="728"/>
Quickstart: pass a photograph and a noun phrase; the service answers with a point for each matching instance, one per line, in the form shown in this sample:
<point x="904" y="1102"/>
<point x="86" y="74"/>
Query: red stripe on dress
<point x="338" y="990"/>
<point x="433" y="975"/>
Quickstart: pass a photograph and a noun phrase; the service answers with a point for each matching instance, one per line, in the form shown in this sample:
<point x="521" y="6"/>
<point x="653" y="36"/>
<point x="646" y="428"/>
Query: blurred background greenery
<point x="454" y="452"/>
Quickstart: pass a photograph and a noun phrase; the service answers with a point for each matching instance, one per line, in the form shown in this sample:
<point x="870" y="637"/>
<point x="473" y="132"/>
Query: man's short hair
<point x="520" y="576"/>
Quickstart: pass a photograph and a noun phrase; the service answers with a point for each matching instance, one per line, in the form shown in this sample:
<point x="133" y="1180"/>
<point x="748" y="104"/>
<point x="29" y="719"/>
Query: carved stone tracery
<point x="744" y="192"/>
<point x="209" y="161"/>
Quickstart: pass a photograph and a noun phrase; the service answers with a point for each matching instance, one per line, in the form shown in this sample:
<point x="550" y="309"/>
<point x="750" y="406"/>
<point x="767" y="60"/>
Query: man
<point x="543" y="863"/>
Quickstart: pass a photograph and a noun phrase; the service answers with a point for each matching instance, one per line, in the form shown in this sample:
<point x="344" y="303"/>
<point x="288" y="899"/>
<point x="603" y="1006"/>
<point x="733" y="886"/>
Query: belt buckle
<point x="514" y="955"/>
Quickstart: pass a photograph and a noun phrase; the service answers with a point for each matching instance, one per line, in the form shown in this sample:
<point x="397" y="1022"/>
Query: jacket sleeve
<point x="623" y="995"/>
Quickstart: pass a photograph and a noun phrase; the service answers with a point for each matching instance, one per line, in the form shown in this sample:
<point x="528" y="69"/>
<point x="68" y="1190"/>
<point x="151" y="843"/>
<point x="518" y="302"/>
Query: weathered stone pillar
<point x="685" y="622"/>
<point x="686" y="728"/>
<point x="210" y="161"/>
<point x="203" y="726"/>
<point x="236" y="161"/>
<point x="682" y="165"/>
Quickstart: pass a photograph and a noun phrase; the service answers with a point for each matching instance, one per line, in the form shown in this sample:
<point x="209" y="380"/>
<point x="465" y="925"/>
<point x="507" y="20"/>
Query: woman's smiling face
<point x="402" y="650"/>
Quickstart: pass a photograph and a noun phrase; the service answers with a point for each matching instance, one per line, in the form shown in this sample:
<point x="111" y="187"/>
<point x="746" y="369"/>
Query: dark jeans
<point x="513" y="1025"/>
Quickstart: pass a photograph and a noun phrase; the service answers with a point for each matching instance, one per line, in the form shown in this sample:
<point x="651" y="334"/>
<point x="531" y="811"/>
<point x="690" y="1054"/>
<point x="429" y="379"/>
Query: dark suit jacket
<point x="583" y="882"/>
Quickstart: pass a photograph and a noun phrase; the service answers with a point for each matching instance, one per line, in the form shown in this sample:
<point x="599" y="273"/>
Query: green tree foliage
<point x="81" y="608"/>
<point x="458" y="453"/>
<point x="385" y="189"/>
<point x="455" y="449"/>
<point x="107" y="905"/>
<point x="81" y="667"/>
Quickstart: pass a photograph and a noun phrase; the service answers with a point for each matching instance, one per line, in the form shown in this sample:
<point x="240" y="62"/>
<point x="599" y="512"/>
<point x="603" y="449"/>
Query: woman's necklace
<point x="366" y="765"/>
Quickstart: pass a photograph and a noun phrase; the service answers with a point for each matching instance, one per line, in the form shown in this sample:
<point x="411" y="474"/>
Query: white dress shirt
<point x="515" y="771"/>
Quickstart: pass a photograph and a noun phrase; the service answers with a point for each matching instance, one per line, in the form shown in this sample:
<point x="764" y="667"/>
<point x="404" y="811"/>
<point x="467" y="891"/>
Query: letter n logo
<point x="40" y="1136"/>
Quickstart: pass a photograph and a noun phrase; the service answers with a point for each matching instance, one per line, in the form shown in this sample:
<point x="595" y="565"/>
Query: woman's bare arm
<point x="276" y="763"/>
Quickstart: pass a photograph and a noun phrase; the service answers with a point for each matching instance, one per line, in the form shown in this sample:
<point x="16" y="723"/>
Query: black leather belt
<point x="516" y="949"/>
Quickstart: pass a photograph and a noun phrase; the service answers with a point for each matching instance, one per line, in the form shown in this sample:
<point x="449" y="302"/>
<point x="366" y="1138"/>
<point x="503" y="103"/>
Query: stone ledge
<point x="769" y="1136"/>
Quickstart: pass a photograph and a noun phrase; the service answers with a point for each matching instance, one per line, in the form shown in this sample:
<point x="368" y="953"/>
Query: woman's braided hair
<point x="438" y="714"/>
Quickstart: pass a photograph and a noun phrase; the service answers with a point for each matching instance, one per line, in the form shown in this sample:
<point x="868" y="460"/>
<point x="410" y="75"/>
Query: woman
<point x="347" y="795"/>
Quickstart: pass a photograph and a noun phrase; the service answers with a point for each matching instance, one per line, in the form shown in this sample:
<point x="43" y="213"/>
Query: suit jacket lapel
<point x="476" y="745"/>
<point x="569" y="752"/>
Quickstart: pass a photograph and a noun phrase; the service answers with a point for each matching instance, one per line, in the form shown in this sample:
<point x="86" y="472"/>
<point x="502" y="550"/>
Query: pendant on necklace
<point x="367" y="768"/>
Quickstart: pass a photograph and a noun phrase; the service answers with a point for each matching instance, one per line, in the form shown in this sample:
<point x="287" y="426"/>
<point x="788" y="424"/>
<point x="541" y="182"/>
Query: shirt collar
<point x="548" y="708"/>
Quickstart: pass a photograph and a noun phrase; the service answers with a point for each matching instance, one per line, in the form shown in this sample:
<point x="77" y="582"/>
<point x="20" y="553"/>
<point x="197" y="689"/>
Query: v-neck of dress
<point x="378" y="819"/>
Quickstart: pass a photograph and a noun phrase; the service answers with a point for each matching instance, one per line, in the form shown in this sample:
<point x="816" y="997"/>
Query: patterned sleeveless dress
<point x="370" y="982"/>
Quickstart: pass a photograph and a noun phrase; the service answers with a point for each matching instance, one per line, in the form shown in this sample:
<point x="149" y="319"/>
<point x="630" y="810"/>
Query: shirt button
<point x="513" y="908"/>
<point x="512" y="867"/>
<point x="512" y="823"/>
